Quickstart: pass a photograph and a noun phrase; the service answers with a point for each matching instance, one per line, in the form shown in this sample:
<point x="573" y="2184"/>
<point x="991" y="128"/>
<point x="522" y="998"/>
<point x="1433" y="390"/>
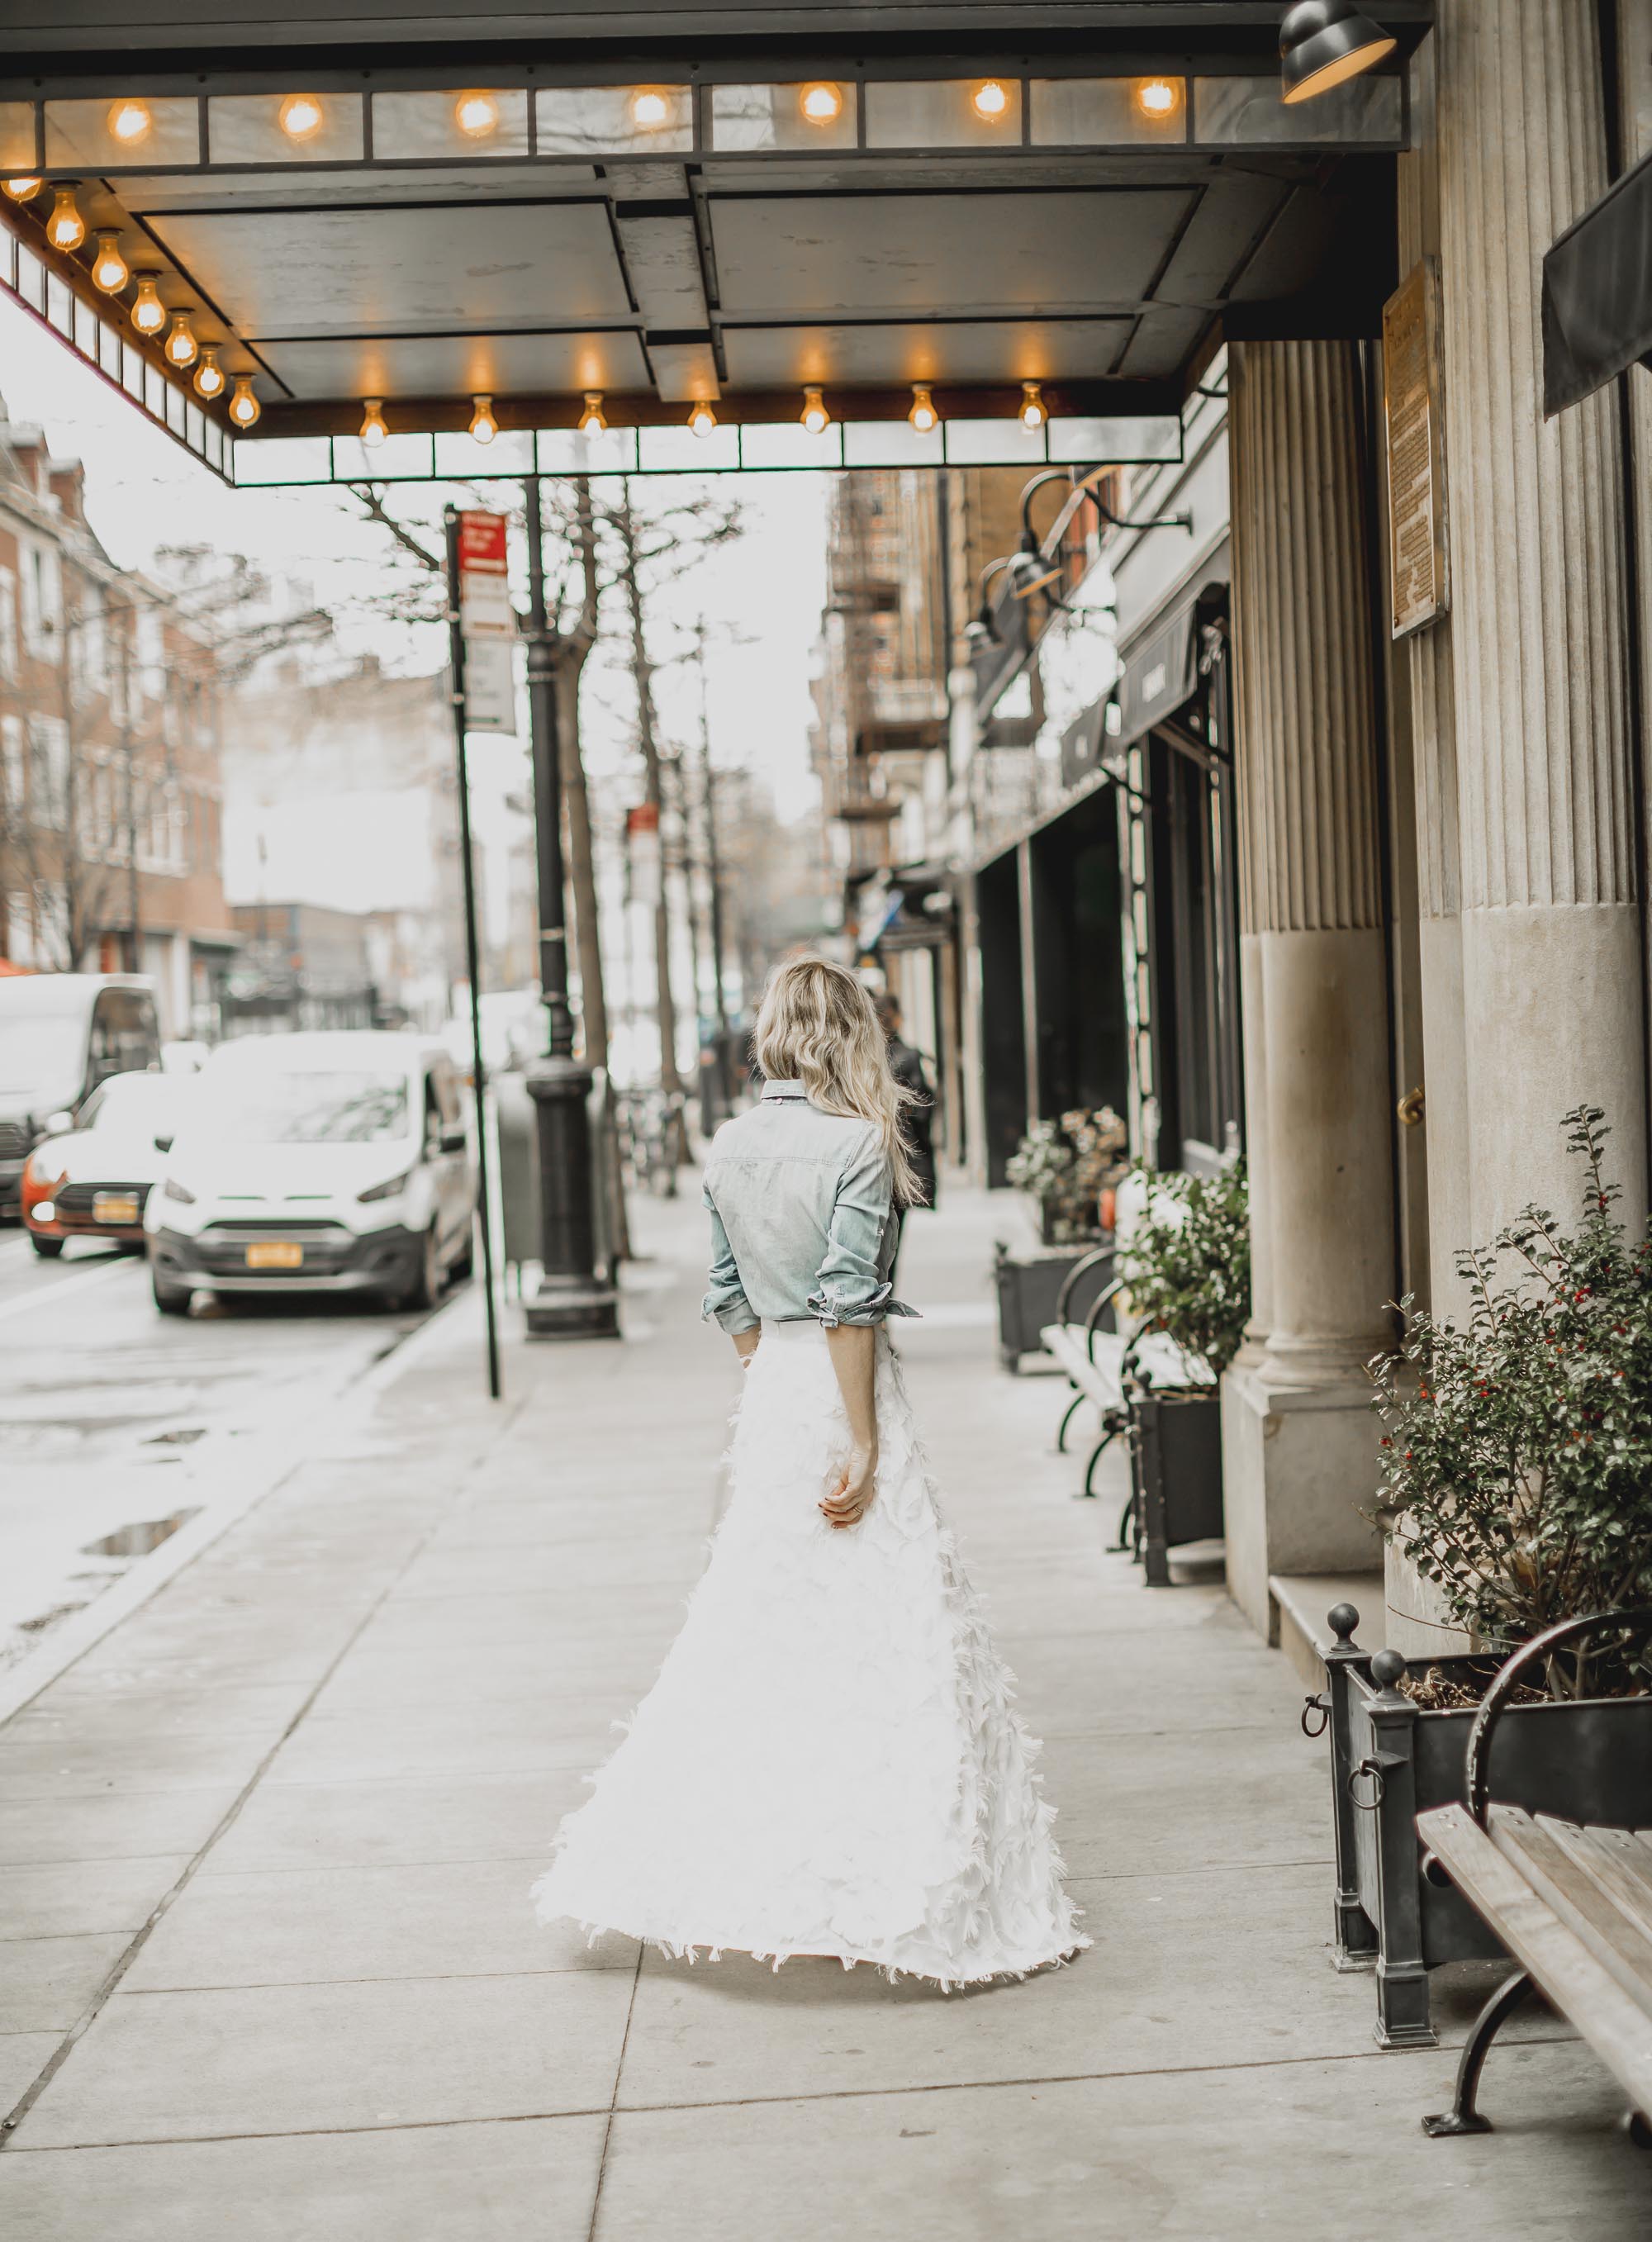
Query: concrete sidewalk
<point x="270" y="1969"/>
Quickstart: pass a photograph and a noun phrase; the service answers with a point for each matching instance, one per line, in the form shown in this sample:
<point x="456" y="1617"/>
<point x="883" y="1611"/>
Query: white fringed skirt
<point x="828" y="1762"/>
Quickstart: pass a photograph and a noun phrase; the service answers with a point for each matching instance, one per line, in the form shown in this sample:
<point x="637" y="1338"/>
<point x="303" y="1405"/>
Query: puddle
<point x="179" y="1437"/>
<point x="138" y="1540"/>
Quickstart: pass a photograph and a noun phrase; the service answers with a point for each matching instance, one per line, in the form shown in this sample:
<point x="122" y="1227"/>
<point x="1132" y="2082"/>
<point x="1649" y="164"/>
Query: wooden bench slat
<point x="1577" y="1882"/>
<point x="1618" y="1864"/>
<point x="1615" y="2025"/>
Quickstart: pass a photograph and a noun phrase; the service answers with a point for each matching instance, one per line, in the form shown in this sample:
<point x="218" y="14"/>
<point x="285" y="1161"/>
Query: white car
<point x="92" y="1180"/>
<point x="317" y="1162"/>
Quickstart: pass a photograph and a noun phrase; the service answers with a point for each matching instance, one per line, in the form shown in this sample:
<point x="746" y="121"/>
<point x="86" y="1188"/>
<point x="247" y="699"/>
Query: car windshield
<point x="45" y="1053"/>
<point x="348" y="1106"/>
<point x="132" y="1101"/>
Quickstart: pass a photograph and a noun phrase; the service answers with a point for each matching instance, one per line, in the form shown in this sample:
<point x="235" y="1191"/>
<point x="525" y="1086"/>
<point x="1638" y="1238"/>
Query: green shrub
<point x="1189" y="1273"/>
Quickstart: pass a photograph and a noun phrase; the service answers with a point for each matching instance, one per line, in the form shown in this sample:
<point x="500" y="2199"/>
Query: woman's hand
<point x="851" y="1496"/>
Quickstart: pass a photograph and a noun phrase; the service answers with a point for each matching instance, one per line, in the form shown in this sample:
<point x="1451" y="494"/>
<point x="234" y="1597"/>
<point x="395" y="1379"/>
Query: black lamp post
<point x="570" y="1302"/>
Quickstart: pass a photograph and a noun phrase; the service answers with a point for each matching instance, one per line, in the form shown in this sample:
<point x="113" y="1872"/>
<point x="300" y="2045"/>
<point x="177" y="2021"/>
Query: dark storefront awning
<point x="1597" y="294"/>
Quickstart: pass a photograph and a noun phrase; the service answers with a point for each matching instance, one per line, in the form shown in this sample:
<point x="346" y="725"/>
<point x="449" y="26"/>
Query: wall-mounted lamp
<point x="702" y="419"/>
<point x="372" y="431"/>
<point x="209" y="374"/>
<point x="483" y="426"/>
<point x="1325" y="42"/>
<point x="130" y="122"/>
<point x="990" y="101"/>
<point x="301" y="116"/>
<point x="815" y="416"/>
<point x="149" y="313"/>
<point x="591" y="420"/>
<point x="65" y="228"/>
<point x="1158" y="99"/>
<point x="243" y="406"/>
<point x="24" y="190"/>
<point x="923" y="416"/>
<point x="476" y="115"/>
<point x="649" y="108"/>
<point x="1033" y="413"/>
<point x="180" y="346"/>
<point x="821" y="104"/>
<point x="109" y="269"/>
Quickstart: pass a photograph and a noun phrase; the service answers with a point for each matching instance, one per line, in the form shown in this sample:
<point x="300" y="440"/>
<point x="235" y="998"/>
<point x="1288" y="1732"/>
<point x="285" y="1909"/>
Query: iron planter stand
<point x="1586" y="1760"/>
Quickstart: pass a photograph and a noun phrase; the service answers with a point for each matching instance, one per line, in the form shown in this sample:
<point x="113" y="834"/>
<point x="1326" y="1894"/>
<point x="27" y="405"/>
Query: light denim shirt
<point x="802" y="1216"/>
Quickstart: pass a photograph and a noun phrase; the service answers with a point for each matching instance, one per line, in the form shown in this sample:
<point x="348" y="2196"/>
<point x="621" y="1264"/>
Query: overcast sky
<point x="143" y="490"/>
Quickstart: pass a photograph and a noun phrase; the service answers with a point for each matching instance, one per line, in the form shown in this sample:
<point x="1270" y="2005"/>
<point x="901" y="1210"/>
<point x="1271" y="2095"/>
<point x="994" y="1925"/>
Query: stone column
<point x="1298" y="1438"/>
<point x="1552" y="992"/>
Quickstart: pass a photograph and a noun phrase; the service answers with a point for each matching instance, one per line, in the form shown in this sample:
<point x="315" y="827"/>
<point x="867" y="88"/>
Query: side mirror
<point x="58" y="1124"/>
<point x="163" y="1143"/>
<point x="452" y="1137"/>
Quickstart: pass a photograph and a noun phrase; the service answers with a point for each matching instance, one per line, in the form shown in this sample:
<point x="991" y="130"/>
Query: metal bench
<point x="1103" y="1366"/>
<point x="1572" y="1903"/>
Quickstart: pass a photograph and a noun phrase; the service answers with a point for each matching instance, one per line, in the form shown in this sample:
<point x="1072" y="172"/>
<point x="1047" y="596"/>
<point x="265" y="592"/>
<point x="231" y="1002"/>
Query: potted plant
<point x="1186" y="1273"/>
<point x="1516" y="1477"/>
<point x="1064" y="1167"/>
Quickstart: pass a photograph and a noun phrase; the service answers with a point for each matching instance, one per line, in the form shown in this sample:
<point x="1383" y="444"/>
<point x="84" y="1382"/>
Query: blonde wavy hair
<point x="817" y="1024"/>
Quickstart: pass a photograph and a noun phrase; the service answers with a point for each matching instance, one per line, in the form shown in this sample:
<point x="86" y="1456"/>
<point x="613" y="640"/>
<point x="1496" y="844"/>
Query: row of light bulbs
<point x="66" y="230"/>
<point x="703" y="417"/>
<point x="301" y="116"/>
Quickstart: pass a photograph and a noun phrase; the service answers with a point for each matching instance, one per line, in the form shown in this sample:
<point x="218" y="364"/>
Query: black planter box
<point x="1586" y="1761"/>
<point x="1175" y="1475"/>
<point x="1029" y="1287"/>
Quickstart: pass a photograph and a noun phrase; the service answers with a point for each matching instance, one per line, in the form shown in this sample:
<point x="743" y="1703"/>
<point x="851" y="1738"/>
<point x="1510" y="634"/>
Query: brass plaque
<point x="1416" y="451"/>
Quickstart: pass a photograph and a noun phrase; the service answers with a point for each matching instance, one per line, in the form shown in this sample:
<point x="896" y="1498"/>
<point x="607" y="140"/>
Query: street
<point x="107" y="1411"/>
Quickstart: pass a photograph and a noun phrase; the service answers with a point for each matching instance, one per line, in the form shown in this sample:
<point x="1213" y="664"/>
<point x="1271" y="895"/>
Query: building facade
<point x="111" y="740"/>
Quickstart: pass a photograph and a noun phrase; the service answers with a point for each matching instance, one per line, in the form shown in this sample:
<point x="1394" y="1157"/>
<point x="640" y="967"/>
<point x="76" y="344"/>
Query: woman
<point x="827" y="1764"/>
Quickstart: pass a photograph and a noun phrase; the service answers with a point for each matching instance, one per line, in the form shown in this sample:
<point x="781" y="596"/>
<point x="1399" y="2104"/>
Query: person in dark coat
<point x="917" y="1123"/>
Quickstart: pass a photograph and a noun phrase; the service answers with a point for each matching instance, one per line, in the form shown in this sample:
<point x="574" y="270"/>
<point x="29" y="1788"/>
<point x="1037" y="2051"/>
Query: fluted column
<point x="1297" y="1432"/>
<point x="1552" y="972"/>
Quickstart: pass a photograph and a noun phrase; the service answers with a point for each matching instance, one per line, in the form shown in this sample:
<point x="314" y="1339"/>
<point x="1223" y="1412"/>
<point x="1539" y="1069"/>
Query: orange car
<point x="93" y="1180"/>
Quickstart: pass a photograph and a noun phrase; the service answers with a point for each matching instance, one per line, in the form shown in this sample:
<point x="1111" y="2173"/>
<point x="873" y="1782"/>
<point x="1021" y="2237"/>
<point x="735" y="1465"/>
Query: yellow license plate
<point x="114" y="1206"/>
<point x="275" y="1253"/>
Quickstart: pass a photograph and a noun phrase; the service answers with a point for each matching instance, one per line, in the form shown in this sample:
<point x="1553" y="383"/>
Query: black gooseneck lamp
<point x="1325" y="42"/>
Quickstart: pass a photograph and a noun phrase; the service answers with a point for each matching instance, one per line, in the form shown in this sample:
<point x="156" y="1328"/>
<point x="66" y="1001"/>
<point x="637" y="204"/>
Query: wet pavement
<point x="104" y="1403"/>
<point x="270" y="1968"/>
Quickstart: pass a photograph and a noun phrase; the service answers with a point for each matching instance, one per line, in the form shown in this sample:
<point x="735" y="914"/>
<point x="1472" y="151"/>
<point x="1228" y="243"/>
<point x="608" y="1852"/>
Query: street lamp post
<point x="570" y="1302"/>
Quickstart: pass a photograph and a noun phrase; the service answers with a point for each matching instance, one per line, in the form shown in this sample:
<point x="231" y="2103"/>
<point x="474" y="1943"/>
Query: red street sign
<point x="482" y="544"/>
<point x="645" y="818"/>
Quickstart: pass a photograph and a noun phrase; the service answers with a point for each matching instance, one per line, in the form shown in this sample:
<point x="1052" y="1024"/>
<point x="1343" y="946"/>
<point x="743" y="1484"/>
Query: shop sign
<point x="487" y="622"/>
<point x="642" y="853"/>
<point x="1416" y="461"/>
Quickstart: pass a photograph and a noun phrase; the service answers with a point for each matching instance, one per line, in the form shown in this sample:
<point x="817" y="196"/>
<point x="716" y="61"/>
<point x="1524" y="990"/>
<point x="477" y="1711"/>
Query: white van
<point x="326" y="1162"/>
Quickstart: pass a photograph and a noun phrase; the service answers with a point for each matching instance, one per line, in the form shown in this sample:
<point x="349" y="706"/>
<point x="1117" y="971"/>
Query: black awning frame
<point x="1597" y="294"/>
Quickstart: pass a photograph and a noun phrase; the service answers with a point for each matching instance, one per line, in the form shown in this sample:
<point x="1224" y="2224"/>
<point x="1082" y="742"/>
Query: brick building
<point x="109" y="727"/>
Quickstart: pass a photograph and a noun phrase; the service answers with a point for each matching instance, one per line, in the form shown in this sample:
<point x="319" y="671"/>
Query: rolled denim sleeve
<point x="726" y="1296"/>
<point x="850" y="1287"/>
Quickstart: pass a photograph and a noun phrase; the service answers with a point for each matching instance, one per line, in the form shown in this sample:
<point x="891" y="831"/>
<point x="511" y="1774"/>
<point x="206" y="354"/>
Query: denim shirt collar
<point x="794" y="1089"/>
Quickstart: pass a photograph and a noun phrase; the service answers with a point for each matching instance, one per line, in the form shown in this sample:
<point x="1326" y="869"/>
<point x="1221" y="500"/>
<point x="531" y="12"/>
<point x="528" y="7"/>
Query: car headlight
<point x="174" y="1189"/>
<point x="394" y="1189"/>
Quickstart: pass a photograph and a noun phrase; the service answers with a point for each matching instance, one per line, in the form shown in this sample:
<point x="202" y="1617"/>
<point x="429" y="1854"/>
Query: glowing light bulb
<point x="149" y="313"/>
<point x="923" y="416"/>
<point x="109" y="268"/>
<point x="65" y="228"/>
<point x="24" y="190"/>
<point x="301" y="116"/>
<point x="130" y="122"/>
<point x="822" y="103"/>
<point x="990" y="101"/>
<point x="591" y="420"/>
<point x="814" y="416"/>
<point x="483" y="426"/>
<point x="1158" y="97"/>
<point x="243" y="406"/>
<point x="374" y="430"/>
<point x="650" y="109"/>
<point x="1034" y="413"/>
<point x="476" y="115"/>
<point x="702" y="419"/>
<point x="180" y="346"/>
<point x="209" y="374"/>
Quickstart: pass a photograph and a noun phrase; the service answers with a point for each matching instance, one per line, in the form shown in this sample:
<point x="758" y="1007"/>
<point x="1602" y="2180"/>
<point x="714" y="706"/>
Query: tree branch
<point x="370" y="496"/>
